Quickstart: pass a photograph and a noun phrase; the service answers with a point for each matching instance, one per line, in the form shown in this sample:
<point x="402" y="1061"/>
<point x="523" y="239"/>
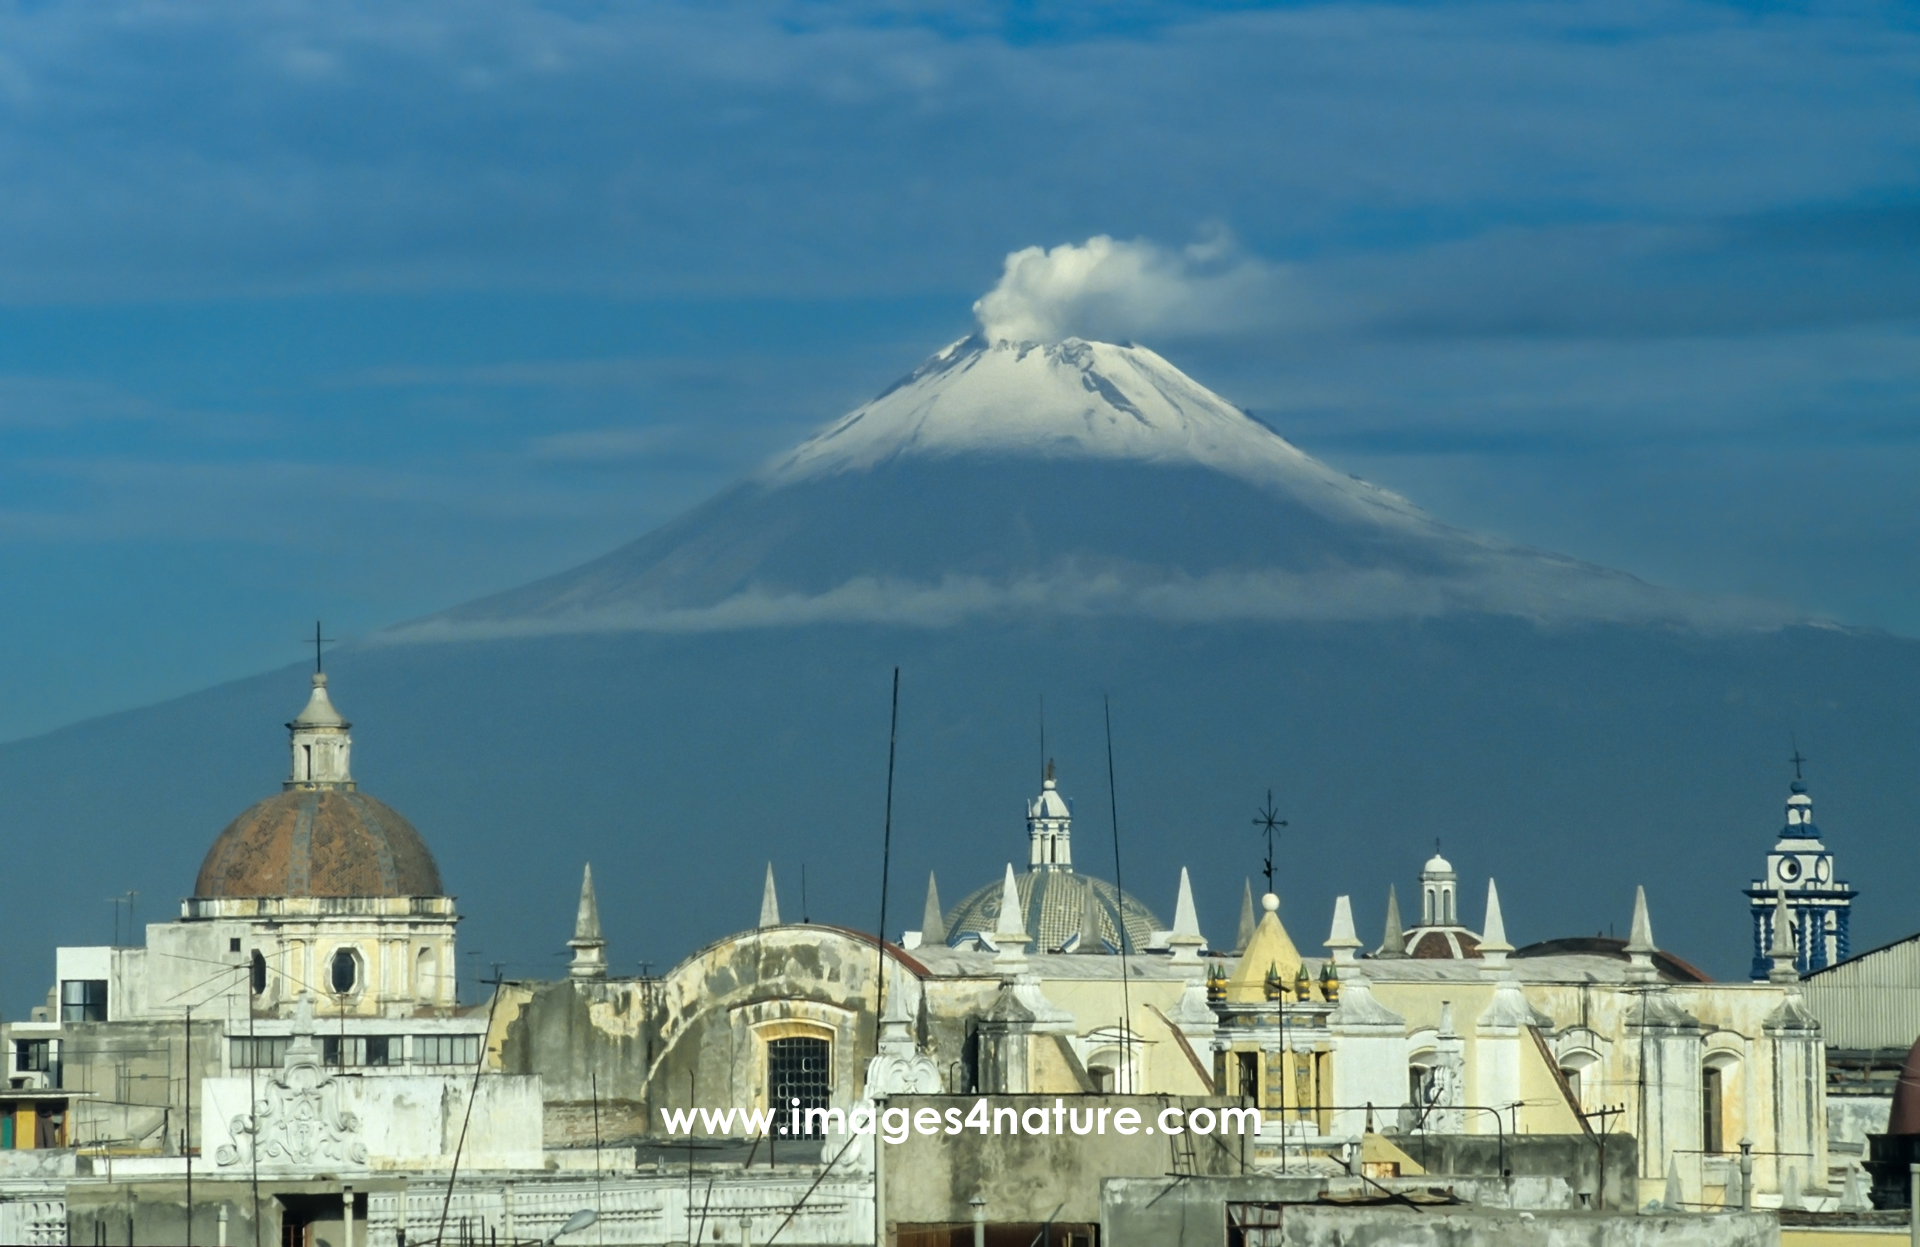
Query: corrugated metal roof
<point x="1869" y="1001"/>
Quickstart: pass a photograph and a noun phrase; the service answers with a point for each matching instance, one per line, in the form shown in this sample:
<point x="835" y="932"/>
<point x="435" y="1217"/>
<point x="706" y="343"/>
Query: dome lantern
<point x="1050" y="826"/>
<point x="322" y="749"/>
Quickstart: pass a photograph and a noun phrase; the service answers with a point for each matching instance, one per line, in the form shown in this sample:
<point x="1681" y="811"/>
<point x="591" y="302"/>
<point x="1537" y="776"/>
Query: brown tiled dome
<point x="1443" y="944"/>
<point x="319" y="842"/>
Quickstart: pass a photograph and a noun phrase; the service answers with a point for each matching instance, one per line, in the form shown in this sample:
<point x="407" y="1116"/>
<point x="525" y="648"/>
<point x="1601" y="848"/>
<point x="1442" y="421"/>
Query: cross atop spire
<point x="1797" y="761"/>
<point x="1268" y="820"/>
<point x="318" y="641"/>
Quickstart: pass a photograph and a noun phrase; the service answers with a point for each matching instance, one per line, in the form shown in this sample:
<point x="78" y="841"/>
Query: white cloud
<point x="1548" y="591"/>
<point x="1113" y="290"/>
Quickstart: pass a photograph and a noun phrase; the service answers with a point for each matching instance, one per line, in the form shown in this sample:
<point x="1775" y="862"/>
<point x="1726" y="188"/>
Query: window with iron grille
<point x="799" y="1068"/>
<point x="261" y="1052"/>
<point x="446" y="1049"/>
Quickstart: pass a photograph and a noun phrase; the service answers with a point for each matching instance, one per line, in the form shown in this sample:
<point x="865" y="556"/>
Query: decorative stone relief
<point x="298" y="1122"/>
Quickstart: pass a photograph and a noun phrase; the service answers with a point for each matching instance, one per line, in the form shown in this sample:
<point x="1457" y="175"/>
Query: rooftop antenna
<point x="1268" y="820"/>
<point x="803" y="892"/>
<point x="886" y="858"/>
<point x="1043" y="738"/>
<point x="1119" y="901"/>
<point x="318" y="641"/>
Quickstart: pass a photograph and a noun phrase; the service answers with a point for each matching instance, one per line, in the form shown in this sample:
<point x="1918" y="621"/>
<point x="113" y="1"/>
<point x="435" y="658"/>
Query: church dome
<point x="1053" y="910"/>
<point x="319" y="842"/>
<point x="1443" y="944"/>
<point x="321" y="836"/>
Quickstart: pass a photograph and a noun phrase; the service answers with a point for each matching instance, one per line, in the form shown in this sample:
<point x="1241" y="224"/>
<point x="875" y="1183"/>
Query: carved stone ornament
<point x="298" y="1122"/>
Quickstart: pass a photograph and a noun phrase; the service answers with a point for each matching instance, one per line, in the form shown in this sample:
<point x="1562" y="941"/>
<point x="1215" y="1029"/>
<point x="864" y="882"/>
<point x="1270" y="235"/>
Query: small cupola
<point x="322" y="749"/>
<point x="1050" y="827"/>
<point x="1437" y="883"/>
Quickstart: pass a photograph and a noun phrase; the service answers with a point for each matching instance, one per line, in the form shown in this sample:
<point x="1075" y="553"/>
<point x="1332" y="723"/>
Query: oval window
<point x="259" y="972"/>
<point x="344" y="972"/>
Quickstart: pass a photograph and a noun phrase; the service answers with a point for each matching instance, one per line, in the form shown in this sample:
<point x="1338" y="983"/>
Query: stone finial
<point x="769" y="902"/>
<point x="1493" y="933"/>
<point x="933" y="927"/>
<point x="589" y="949"/>
<point x="1341" y="940"/>
<point x="1010" y="928"/>
<point x="1186" y="940"/>
<point x="1780" y="949"/>
<point x="1245" y="934"/>
<point x="1640" y="945"/>
<point x="1393" y="942"/>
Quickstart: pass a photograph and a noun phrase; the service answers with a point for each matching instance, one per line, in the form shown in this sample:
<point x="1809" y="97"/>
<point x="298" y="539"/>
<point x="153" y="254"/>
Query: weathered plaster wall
<point x="1166" y="1212"/>
<point x="591" y="1042"/>
<point x="1033" y="1178"/>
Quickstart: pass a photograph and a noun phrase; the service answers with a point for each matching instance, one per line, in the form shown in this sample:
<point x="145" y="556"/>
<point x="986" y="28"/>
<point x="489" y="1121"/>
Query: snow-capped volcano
<point x="1074" y="400"/>
<point x="1074" y="478"/>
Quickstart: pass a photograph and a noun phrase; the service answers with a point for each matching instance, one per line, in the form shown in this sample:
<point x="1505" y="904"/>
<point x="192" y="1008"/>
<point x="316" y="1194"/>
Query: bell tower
<point x="1817" y="904"/>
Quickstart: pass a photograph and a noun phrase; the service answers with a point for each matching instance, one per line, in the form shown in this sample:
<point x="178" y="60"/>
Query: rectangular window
<point x="83" y="1000"/>
<point x="32" y="1056"/>
<point x="445" y="1050"/>
<point x="261" y="1052"/>
<point x="360" y="1049"/>
<point x="1710" y="1115"/>
<point x="1247" y="1064"/>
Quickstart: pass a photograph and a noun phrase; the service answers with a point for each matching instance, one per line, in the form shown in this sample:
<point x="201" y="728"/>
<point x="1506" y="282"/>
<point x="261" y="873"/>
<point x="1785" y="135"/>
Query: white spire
<point x="1186" y="940"/>
<point x="322" y="750"/>
<point x="1049" y="826"/>
<point x="589" y="949"/>
<point x="1342" y="940"/>
<point x="1640" y="945"/>
<point x="1393" y="939"/>
<point x="933" y="927"/>
<point x="769" y="902"/>
<point x="1010" y="928"/>
<point x="1245" y="936"/>
<point x="1090" y="941"/>
<point x="1781" y="951"/>
<point x="1493" y="935"/>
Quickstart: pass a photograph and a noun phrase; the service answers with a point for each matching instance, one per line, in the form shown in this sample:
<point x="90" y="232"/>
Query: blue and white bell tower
<point x="1818" y="904"/>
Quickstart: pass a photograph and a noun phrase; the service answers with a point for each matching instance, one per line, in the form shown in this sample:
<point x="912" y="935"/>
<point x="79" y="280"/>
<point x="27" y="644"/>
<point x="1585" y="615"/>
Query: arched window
<point x="1716" y="1073"/>
<point x="259" y="972"/>
<point x="343" y="972"/>
<point x="1119" y="1051"/>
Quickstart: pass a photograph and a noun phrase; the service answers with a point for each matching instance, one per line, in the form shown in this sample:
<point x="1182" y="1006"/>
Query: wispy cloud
<point x="1554" y="593"/>
<point x="220" y="147"/>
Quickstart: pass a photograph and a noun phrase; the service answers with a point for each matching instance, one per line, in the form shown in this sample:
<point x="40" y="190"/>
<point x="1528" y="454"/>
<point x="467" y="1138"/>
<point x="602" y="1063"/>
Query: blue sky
<point x="358" y="310"/>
